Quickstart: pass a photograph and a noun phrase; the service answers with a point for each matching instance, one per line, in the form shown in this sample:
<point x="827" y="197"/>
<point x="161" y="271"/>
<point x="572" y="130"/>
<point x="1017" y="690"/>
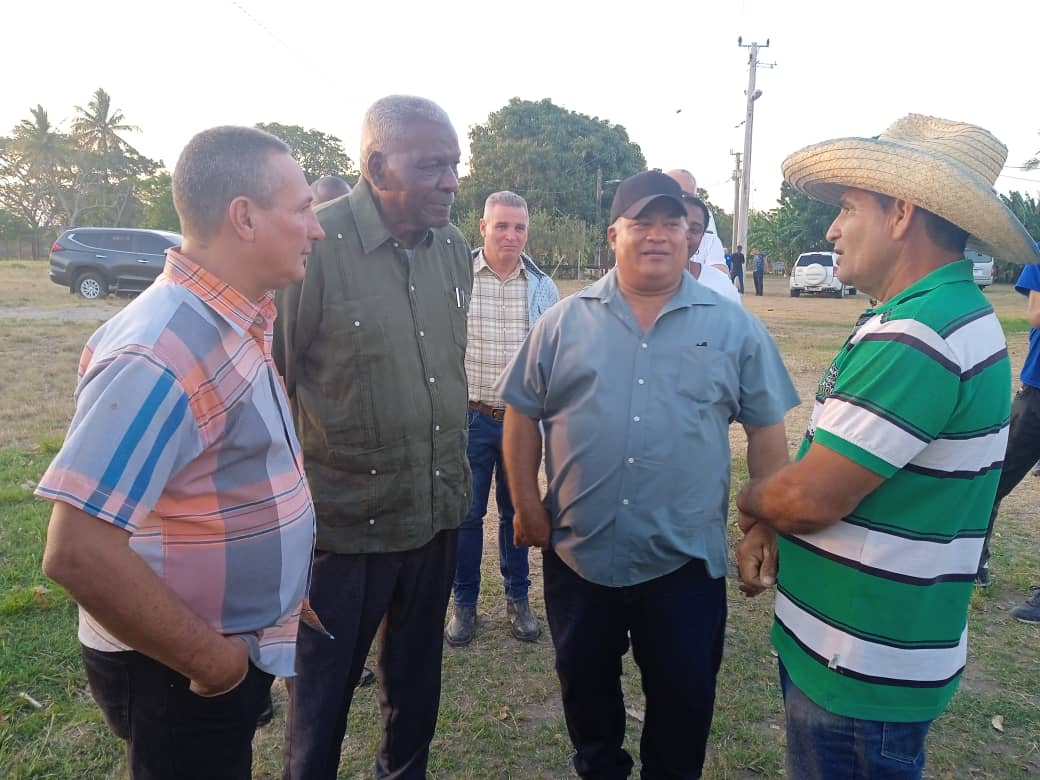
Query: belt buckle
<point x="498" y="414"/>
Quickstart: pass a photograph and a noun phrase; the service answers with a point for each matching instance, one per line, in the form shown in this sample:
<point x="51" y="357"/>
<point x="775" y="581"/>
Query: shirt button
<point x="339" y="235"/>
<point x="643" y="345"/>
<point x="422" y="333"/>
<point x="641" y="381"/>
<point x="411" y="287"/>
<point x="258" y="320"/>
<point x="624" y="501"/>
<point x="436" y="427"/>
<point x="636" y="418"/>
<point x="371" y="521"/>
<point x="631" y="460"/>
<point x="436" y="472"/>
<point x="432" y="380"/>
<point x="396" y="245"/>
<point x="448" y="240"/>
<point x="373" y="472"/>
<point x="357" y="324"/>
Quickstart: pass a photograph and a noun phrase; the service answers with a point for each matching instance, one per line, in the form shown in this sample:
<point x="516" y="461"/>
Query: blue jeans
<point x="485" y="459"/>
<point x="825" y="746"/>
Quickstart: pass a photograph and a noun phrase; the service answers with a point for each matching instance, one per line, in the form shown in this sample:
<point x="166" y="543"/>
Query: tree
<point x="29" y="160"/>
<point x="157" y="197"/>
<point x="318" y="153"/>
<point x="550" y="156"/>
<point x="798" y="224"/>
<point x="110" y="166"/>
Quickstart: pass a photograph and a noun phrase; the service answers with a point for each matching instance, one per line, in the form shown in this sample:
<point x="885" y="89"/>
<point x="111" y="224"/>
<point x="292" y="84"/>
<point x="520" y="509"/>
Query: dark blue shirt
<point x="1028" y="281"/>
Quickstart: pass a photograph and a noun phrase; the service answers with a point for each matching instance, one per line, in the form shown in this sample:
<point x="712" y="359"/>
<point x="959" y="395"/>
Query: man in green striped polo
<point x="880" y="520"/>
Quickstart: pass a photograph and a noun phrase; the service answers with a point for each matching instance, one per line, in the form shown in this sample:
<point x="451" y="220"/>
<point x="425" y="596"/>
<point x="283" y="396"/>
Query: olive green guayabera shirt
<point x="371" y="345"/>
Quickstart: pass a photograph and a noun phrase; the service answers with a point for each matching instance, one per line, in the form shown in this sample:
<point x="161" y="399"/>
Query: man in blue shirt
<point x="1023" y="448"/>
<point x="636" y="380"/>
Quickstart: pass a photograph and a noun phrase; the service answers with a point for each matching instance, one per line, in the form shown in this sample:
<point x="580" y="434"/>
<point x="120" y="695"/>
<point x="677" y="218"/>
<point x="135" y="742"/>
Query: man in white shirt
<point x="698" y="217"/>
<point x="710" y="252"/>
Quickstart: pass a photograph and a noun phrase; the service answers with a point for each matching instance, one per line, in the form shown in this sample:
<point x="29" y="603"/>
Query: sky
<point x="670" y="72"/>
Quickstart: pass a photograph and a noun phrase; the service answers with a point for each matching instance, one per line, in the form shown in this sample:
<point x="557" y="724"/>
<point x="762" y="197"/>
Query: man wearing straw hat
<point x="881" y="518"/>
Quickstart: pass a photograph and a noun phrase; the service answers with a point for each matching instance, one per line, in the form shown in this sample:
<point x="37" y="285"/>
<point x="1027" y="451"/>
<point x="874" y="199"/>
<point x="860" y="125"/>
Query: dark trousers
<point x="737" y="277"/>
<point x="1023" y="450"/>
<point x="759" y="280"/>
<point x="403" y="596"/>
<point x="171" y="732"/>
<point x="676" y="623"/>
<point x="484" y="450"/>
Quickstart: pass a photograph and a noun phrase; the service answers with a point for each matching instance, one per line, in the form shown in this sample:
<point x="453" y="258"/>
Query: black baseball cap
<point x="636" y="192"/>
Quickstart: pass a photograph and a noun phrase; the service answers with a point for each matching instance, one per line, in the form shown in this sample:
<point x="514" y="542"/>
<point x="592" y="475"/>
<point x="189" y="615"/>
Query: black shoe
<point x="524" y="623"/>
<point x="266" y="714"/>
<point x="367" y="678"/>
<point x="1030" y="611"/>
<point x="982" y="576"/>
<point x="462" y="626"/>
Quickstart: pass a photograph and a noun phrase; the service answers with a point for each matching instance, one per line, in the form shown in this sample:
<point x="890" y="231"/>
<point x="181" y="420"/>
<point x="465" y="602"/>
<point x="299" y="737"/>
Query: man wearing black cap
<point x="635" y="380"/>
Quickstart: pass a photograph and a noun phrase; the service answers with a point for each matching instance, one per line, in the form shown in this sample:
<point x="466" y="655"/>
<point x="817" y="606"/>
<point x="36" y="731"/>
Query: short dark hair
<point x="217" y="166"/>
<point x="328" y="188"/>
<point x="944" y="233"/>
<point x="687" y="198"/>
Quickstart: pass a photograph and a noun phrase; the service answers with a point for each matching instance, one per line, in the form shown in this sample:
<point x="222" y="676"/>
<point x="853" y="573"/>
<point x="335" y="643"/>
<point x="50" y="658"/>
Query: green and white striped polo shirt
<point x="871" y="613"/>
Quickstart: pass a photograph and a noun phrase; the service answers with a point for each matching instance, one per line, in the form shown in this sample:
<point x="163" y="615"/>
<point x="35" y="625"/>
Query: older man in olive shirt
<point x="636" y="380"/>
<point x="371" y="346"/>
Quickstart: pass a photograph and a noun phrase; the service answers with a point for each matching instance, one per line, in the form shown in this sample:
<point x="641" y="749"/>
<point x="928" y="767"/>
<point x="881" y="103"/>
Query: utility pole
<point x="736" y="198"/>
<point x="599" y="200"/>
<point x="740" y="229"/>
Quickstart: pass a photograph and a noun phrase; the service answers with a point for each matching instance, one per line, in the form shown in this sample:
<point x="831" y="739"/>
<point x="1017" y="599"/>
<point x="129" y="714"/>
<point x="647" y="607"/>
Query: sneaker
<point x="982" y="576"/>
<point x="524" y="624"/>
<point x="1030" y="611"/>
<point x="462" y="626"/>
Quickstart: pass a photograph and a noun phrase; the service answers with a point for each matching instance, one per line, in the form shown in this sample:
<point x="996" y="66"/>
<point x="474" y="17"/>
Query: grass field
<point x="500" y="711"/>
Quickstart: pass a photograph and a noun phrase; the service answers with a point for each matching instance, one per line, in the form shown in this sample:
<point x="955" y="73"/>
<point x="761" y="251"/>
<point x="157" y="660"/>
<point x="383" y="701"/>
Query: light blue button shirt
<point x="637" y="424"/>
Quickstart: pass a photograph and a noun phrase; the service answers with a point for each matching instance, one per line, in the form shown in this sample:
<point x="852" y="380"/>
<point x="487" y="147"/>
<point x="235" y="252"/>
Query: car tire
<point x="850" y="290"/>
<point x="91" y="286"/>
<point x="795" y="293"/>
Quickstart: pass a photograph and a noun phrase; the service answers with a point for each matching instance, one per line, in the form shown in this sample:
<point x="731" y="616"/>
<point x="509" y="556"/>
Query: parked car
<point x="94" y="261"/>
<point x="816" y="272"/>
<point x="983" y="270"/>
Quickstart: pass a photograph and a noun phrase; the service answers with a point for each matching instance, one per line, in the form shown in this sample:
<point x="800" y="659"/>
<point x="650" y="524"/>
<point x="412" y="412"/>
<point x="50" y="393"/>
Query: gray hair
<point x="504" y="198"/>
<point x="386" y="120"/>
<point x="217" y="166"/>
<point x="328" y="188"/>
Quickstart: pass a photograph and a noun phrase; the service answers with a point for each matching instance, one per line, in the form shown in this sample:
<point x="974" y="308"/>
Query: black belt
<point x="489" y="411"/>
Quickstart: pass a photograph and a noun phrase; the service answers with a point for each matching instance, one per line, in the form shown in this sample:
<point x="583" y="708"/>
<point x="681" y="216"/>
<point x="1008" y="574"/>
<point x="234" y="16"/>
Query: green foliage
<point x="318" y="153"/>
<point x="550" y="156"/>
<point x="157" y="197"/>
<point x="798" y="224"/>
<point x="553" y="239"/>
<point x="13" y="226"/>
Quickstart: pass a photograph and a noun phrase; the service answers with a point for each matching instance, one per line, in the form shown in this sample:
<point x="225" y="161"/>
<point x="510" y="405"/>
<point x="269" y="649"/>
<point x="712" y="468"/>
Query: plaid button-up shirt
<point x="182" y="436"/>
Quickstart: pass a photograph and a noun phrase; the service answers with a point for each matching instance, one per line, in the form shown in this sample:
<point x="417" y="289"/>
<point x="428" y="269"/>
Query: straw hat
<point x="946" y="167"/>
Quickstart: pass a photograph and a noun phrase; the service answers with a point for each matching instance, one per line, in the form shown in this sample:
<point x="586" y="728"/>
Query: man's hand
<point x="756" y="560"/>
<point x="745" y="521"/>
<point x="228" y="671"/>
<point x="531" y="526"/>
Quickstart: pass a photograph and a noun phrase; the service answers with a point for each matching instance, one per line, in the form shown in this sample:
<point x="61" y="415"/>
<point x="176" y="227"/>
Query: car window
<point x="820" y="258"/>
<point x="150" y="243"/>
<point x="113" y="241"/>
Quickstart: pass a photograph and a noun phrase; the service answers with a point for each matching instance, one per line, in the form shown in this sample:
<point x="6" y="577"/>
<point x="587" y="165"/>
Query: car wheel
<point x="850" y="290"/>
<point x="91" y="286"/>
<point x="795" y="293"/>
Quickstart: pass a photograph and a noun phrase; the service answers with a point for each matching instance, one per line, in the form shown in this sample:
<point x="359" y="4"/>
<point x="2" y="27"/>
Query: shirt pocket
<point x="357" y="369"/>
<point x="708" y="376"/>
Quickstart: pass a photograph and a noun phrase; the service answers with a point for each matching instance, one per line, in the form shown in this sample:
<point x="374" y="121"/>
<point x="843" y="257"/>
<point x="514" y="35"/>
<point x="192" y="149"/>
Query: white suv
<point x="983" y="267"/>
<point x="816" y="272"/>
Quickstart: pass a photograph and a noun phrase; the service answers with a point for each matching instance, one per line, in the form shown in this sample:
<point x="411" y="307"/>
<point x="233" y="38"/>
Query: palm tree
<point x="97" y="127"/>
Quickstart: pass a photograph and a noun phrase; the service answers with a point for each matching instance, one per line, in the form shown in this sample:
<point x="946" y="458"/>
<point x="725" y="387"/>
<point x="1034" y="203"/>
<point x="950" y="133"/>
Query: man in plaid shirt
<point x="510" y="293"/>
<point x="182" y="523"/>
